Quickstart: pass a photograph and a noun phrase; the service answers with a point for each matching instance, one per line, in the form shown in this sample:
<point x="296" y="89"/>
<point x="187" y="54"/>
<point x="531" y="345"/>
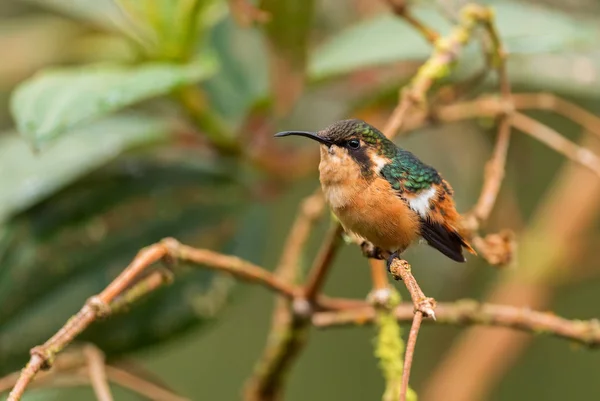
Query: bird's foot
<point x="390" y="260"/>
<point x="371" y="251"/>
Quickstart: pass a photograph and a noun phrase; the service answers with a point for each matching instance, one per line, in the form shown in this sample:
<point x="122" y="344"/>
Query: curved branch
<point x="121" y="290"/>
<point x="469" y="312"/>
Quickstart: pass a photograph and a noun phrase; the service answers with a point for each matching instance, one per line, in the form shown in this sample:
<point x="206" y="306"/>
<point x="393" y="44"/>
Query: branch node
<point x="498" y="248"/>
<point x="426" y="306"/>
<point x="396" y="267"/>
<point x="401" y="270"/>
<point x="101" y="309"/>
<point x="380" y="297"/>
<point x="172" y="245"/>
<point x="302" y="308"/>
<point x="42" y="353"/>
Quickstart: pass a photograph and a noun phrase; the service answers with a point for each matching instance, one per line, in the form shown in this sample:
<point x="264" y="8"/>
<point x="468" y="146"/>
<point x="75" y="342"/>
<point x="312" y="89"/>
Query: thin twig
<point x="141" y="386"/>
<point x="410" y="352"/>
<point x="494" y="171"/>
<point x="547" y="101"/>
<point x="469" y="312"/>
<point x="43" y="355"/>
<point x="494" y="174"/>
<point x="259" y="386"/>
<point x="401" y="9"/>
<point x="68" y="362"/>
<point x="401" y="270"/>
<point x="319" y="272"/>
<point x="100" y="305"/>
<point x="72" y="368"/>
<point x="97" y="373"/>
<point x="140" y="289"/>
<point x="445" y="53"/>
<point x="532" y="285"/>
<point x="556" y="141"/>
<point x="423" y="307"/>
<point x="381" y="290"/>
<point x="487" y="106"/>
<point x="311" y="209"/>
<point x="227" y="264"/>
<point x="266" y="383"/>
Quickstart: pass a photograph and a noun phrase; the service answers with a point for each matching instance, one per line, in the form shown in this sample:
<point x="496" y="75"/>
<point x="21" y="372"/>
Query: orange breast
<point x="377" y="214"/>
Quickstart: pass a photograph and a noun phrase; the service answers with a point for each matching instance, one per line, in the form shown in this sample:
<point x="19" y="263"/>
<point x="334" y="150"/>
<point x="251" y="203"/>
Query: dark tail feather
<point x="448" y="242"/>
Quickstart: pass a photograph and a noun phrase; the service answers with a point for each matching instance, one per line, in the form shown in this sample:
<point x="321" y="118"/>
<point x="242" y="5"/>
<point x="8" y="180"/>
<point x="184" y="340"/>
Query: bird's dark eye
<point x="354" y="144"/>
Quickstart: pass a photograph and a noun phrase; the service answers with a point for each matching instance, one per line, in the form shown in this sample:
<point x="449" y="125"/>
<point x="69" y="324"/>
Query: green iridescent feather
<point x="405" y="171"/>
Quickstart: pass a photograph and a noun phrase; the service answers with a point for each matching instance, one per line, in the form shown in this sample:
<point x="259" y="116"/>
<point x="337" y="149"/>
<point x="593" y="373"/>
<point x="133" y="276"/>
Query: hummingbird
<point x="383" y="194"/>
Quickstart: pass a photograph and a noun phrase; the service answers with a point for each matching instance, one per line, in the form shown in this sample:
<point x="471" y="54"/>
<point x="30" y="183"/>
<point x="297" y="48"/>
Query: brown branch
<point x="547" y="101"/>
<point x="494" y="170"/>
<point x="435" y="67"/>
<point x="401" y="270"/>
<point x="310" y="211"/>
<point x="423" y="307"/>
<point x="72" y="368"/>
<point x="42" y="356"/>
<point x="240" y="268"/>
<point x="290" y="337"/>
<point x="141" y="386"/>
<point x="100" y="305"/>
<point x="143" y="287"/>
<point x="323" y="262"/>
<point x="494" y="174"/>
<point x="445" y="53"/>
<point x="410" y="352"/>
<point x="490" y="107"/>
<point x="97" y="373"/>
<point x="469" y="312"/>
<point x="556" y="141"/>
<point x="68" y="362"/>
<point x="532" y="285"/>
<point x="381" y="292"/>
<point x="401" y="9"/>
<point x="259" y="386"/>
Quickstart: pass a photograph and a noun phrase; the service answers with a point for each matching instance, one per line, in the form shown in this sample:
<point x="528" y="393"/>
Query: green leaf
<point x="53" y="101"/>
<point x="173" y="27"/>
<point x="103" y="13"/>
<point x="526" y="29"/>
<point x="243" y="74"/>
<point x="26" y="177"/>
<point x="72" y="245"/>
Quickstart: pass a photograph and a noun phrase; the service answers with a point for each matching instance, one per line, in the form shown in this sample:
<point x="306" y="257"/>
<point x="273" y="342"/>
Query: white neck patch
<point x="420" y="203"/>
<point x="379" y="162"/>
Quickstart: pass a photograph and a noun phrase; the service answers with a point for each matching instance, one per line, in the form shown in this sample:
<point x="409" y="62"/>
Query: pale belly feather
<point x="377" y="216"/>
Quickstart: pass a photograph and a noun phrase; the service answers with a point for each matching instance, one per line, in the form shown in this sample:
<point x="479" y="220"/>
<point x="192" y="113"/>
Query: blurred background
<point x="126" y="122"/>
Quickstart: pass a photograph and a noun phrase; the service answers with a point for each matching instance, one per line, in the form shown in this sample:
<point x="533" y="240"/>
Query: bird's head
<point x="351" y="141"/>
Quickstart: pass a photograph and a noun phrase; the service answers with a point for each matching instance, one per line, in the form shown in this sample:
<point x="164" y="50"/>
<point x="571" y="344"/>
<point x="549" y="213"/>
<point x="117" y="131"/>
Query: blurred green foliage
<point x="51" y="103"/>
<point x="99" y="88"/>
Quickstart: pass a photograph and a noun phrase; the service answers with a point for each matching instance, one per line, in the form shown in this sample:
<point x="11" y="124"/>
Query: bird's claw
<point x="371" y="251"/>
<point x="390" y="260"/>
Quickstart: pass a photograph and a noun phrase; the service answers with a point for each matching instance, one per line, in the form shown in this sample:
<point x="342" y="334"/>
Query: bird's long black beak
<point x="311" y="135"/>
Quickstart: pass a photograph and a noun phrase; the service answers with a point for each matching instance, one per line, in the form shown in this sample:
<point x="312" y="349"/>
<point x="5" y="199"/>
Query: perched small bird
<point x="384" y="194"/>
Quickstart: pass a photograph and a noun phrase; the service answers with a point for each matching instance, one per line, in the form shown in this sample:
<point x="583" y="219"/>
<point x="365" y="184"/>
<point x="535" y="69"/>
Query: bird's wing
<point x="430" y="197"/>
